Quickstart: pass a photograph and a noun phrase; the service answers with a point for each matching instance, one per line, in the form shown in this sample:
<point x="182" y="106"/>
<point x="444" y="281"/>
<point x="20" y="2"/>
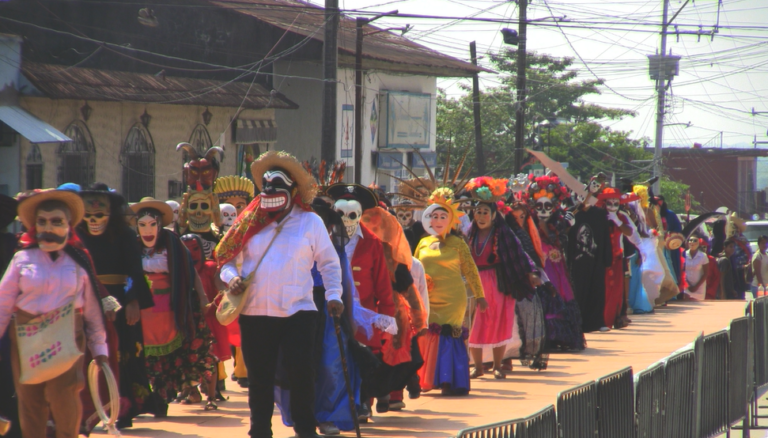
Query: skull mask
<point x="96" y="213"/>
<point x="405" y="217"/>
<point x="544" y="208"/>
<point x="228" y="215"/>
<point x="202" y="210"/>
<point x="612" y="205"/>
<point x="350" y="211"/>
<point x="175" y="207"/>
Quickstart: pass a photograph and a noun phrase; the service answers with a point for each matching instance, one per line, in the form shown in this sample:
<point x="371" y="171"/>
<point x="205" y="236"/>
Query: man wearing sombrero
<point x="273" y="244"/>
<point x="51" y="277"/>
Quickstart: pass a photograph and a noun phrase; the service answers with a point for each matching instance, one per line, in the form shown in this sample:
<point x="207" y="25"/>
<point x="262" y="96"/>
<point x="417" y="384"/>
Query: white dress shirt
<point x="283" y="283"/>
<point x="351" y="245"/>
<point x="36" y="284"/>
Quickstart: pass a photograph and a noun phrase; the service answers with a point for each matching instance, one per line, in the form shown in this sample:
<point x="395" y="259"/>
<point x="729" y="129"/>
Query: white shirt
<point x="420" y="282"/>
<point x="36" y="284"/>
<point x="693" y="273"/>
<point x="283" y="284"/>
<point x="351" y="245"/>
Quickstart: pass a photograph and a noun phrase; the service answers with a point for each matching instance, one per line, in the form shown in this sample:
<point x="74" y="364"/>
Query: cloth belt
<point x="113" y="279"/>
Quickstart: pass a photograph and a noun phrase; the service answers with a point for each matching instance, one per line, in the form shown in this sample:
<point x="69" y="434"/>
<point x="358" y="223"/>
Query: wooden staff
<point x="352" y="409"/>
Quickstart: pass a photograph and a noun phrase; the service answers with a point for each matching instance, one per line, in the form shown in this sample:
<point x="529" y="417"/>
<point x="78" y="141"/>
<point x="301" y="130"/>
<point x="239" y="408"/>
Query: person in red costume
<point x="614" y="275"/>
<point x="365" y="252"/>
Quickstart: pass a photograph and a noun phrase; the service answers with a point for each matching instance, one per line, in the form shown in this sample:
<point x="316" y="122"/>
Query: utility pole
<point x="330" y="76"/>
<point x="360" y="22"/>
<point x="521" y="67"/>
<point x="479" y="155"/>
<point x="661" y="90"/>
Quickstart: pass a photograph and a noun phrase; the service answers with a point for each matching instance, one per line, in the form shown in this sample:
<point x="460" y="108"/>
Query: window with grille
<point x="77" y="158"/>
<point x="34" y="168"/>
<point x="201" y="141"/>
<point x="137" y="158"/>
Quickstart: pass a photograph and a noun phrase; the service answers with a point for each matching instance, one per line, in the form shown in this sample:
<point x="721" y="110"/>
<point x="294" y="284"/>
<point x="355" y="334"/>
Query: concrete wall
<point x="299" y="131"/>
<point x="109" y="124"/>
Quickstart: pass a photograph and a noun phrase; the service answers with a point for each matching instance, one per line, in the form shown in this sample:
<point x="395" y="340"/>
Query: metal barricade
<point x="542" y="424"/>
<point x="649" y="402"/>
<point x="577" y="412"/>
<point x="760" y="312"/>
<point x="616" y="405"/>
<point x="739" y="384"/>
<point x="679" y="403"/>
<point x="713" y="416"/>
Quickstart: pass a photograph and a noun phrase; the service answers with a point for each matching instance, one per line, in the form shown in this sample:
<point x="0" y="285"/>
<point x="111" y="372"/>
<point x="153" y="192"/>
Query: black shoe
<point x="243" y="382"/>
<point x="413" y="387"/>
<point x="363" y="412"/>
<point x="382" y="405"/>
<point x="122" y="423"/>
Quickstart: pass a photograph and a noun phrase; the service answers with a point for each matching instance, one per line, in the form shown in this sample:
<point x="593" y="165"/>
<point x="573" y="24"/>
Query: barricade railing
<point x="760" y="312"/>
<point x="679" y="404"/>
<point x="616" y="405"/>
<point x="713" y="414"/>
<point x="649" y="402"/>
<point x="577" y="411"/>
<point x="739" y="369"/>
<point x="542" y="424"/>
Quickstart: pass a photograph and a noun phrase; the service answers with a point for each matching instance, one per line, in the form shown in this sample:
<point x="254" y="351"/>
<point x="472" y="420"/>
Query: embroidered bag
<point x="47" y="345"/>
<point x="231" y="305"/>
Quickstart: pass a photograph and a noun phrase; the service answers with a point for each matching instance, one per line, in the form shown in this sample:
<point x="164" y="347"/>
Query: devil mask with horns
<point x="201" y="169"/>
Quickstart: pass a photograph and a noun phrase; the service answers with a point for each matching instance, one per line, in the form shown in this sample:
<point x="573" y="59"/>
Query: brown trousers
<point x="59" y="397"/>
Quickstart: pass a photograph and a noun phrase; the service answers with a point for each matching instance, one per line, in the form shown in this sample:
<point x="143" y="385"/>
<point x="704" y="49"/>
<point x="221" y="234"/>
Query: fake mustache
<point x="51" y="238"/>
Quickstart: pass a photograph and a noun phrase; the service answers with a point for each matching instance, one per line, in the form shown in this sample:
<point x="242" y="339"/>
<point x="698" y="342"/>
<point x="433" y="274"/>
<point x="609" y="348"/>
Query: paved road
<point x="649" y="339"/>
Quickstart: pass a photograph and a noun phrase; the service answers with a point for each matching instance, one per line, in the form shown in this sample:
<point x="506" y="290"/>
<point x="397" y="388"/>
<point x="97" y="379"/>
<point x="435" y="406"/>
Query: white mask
<point x="228" y="216"/>
<point x="175" y="207"/>
<point x="544" y="208"/>
<point x="351" y="212"/>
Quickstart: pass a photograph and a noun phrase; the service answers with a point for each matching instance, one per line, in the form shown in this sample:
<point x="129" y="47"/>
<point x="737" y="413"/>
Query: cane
<point x="352" y="409"/>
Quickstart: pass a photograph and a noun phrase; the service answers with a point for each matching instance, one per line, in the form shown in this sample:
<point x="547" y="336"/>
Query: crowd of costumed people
<point x="334" y="300"/>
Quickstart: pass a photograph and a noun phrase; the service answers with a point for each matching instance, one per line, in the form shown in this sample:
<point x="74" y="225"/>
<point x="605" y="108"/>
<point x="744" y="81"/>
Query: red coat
<point x="369" y="270"/>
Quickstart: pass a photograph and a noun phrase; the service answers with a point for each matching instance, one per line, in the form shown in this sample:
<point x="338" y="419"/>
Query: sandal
<point x="193" y="398"/>
<point x="211" y="405"/>
<point x="499" y="375"/>
<point x="475" y="373"/>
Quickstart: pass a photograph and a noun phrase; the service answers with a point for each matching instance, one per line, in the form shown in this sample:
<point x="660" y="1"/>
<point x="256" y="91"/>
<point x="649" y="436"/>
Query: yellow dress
<point x="446" y="266"/>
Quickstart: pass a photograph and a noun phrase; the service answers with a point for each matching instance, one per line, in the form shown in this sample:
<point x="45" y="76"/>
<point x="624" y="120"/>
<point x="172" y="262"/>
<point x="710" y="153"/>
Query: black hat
<point x="115" y="199"/>
<point x="7" y="210"/>
<point x="365" y="196"/>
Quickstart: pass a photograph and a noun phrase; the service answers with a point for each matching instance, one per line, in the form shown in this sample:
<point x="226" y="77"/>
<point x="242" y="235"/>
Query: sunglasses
<point x="95" y="215"/>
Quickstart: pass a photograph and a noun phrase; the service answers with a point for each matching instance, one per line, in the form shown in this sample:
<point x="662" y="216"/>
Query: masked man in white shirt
<point x="51" y="277"/>
<point x="276" y="241"/>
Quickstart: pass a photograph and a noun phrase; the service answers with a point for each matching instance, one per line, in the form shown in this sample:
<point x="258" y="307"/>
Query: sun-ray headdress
<point x="419" y="189"/>
<point x="231" y="186"/>
<point x="442" y="197"/>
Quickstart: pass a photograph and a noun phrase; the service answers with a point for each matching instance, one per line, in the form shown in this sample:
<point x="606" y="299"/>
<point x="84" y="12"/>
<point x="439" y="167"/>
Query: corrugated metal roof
<point x="61" y="82"/>
<point x="384" y="51"/>
<point x="29" y="126"/>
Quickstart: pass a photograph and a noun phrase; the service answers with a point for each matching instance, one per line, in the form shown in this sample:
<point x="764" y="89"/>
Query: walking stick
<point x="352" y="409"/>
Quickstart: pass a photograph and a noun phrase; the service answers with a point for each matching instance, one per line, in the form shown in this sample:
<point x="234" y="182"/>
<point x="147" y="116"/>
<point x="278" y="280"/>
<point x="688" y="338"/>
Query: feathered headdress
<point x="419" y="189"/>
<point x="487" y="189"/>
<point x="325" y="174"/>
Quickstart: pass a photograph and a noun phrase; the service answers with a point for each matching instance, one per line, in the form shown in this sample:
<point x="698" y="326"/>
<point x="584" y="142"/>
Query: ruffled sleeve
<point x="468" y="267"/>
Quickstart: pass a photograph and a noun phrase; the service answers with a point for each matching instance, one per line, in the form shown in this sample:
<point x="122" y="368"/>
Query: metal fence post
<point x="616" y="405"/>
<point x="713" y="384"/>
<point x="577" y="412"/>
<point x="542" y="424"/>
<point x="679" y="403"/>
<point x="649" y="402"/>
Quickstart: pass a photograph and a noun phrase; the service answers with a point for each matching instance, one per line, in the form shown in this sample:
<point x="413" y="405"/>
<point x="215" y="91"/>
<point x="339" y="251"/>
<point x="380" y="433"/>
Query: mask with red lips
<point x="278" y="190"/>
<point x="148" y="225"/>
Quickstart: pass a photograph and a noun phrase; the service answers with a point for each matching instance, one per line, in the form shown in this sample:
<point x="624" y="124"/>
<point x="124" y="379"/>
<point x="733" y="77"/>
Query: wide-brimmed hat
<point x="674" y="241"/>
<point x="27" y="208"/>
<point x="7" y="210"/>
<point x="365" y="196"/>
<point x="284" y="160"/>
<point x="103" y="189"/>
<point x="161" y="206"/>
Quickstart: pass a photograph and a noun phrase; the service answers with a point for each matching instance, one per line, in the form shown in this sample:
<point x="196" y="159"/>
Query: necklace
<point x="482" y="250"/>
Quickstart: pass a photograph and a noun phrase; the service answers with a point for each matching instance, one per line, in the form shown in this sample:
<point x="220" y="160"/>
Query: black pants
<point x="263" y="337"/>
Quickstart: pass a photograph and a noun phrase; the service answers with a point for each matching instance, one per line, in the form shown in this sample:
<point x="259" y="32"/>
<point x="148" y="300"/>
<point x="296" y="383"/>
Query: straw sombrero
<point x="27" y="208"/>
<point x="161" y="206"/>
<point x="284" y="160"/>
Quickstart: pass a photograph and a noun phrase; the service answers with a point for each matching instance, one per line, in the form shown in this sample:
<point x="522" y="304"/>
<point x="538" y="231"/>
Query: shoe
<point x="396" y="405"/>
<point x="605" y="329"/>
<point x="475" y="373"/>
<point x="499" y="375"/>
<point x="446" y="389"/>
<point x="363" y="412"/>
<point x="328" y="429"/>
<point x="414" y="393"/>
<point x="243" y="382"/>
<point x="382" y="405"/>
<point x="122" y="423"/>
<point x="308" y="435"/>
<point x="233" y="377"/>
<point x="414" y="388"/>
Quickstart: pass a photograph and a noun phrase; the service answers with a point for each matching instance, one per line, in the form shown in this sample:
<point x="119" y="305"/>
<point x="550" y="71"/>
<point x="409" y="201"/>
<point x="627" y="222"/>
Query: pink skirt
<point x="493" y="328"/>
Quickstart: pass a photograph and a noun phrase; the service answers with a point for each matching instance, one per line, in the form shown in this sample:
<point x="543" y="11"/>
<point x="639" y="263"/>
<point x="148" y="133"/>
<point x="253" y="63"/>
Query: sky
<point x="721" y="79"/>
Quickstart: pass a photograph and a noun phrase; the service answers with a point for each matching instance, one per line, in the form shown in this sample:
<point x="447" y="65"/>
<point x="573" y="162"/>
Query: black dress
<point x="589" y="254"/>
<point x="121" y="255"/>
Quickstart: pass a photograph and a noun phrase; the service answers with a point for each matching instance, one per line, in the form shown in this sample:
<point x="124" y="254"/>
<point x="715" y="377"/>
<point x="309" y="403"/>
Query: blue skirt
<point x="452" y="364"/>
<point x="638" y="298"/>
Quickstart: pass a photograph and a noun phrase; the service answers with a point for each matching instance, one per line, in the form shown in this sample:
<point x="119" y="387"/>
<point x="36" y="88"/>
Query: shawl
<point x="181" y="271"/>
<point x="513" y="264"/>
<point x="252" y="220"/>
<point x="386" y="227"/>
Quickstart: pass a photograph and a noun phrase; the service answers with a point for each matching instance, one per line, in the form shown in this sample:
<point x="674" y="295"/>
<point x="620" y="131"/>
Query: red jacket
<point x="369" y="270"/>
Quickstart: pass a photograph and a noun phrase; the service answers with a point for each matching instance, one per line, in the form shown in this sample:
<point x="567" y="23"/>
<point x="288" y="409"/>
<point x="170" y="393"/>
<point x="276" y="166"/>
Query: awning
<point x="29" y="126"/>
<point x="255" y="131"/>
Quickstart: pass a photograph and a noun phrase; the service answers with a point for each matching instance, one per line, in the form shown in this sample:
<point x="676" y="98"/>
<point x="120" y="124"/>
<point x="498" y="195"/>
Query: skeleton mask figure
<point x="175" y="207"/>
<point x="202" y="210"/>
<point x="96" y="213"/>
<point x="228" y="216"/>
<point x="544" y="208"/>
<point x="351" y="211"/>
<point x="278" y="192"/>
<point x="612" y="205"/>
<point x="405" y="217"/>
<point x="52" y="226"/>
